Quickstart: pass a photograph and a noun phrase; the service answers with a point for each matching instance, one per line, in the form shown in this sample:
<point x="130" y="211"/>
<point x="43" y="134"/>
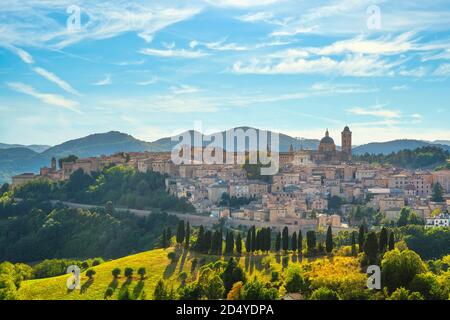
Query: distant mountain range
<point x="34" y="147"/>
<point x="15" y="159"/>
<point x="446" y="142"/>
<point x="395" y="146"/>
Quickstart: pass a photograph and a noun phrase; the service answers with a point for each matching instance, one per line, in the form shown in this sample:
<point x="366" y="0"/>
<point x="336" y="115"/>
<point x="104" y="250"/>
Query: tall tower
<point x="347" y="143"/>
<point x="53" y="164"/>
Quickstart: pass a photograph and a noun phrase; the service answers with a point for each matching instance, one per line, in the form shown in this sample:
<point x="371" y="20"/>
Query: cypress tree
<point x="253" y="246"/>
<point x="164" y="239"/>
<point x="180" y="232"/>
<point x="219" y="242"/>
<point x="239" y="244"/>
<point x="248" y="241"/>
<point x="300" y="241"/>
<point x="294" y="242"/>
<point x="269" y="239"/>
<point x="214" y="243"/>
<point x="383" y="243"/>
<point x="262" y="245"/>
<point x="353" y="244"/>
<point x="329" y="240"/>
<point x="187" y="236"/>
<point x="278" y="242"/>
<point x="361" y="238"/>
<point x="229" y="243"/>
<point x="285" y="239"/>
<point x="371" y="248"/>
<point x="311" y="240"/>
<point x="207" y="242"/>
<point x="200" y="244"/>
<point x="391" y="241"/>
<point x="169" y="236"/>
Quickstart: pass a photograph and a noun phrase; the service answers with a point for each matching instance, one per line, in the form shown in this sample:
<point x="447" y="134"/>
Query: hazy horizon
<point x="335" y="136"/>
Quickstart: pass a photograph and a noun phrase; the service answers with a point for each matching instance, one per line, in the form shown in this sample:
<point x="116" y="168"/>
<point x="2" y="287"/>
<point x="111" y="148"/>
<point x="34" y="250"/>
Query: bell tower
<point x="346" y="136"/>
<point x="53" y="164"/>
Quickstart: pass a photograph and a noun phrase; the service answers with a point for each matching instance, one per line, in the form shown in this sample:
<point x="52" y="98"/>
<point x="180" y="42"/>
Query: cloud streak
<point x="56" y="80"/>
<point x="47" y="98"/>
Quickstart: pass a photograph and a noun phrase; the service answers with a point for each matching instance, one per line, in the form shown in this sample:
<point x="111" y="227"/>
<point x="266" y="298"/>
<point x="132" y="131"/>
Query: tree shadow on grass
<point x="278" y="258"/>
<point x="114" y="284"/>
<point x="127" y="282"/>
<point x="183" y="260"/>
<point x="285" y="262"/>
<point x="249" y="263"/>
<point x="137" y="291"/>
<point x="170" y="269"/>
<point x="294" y="258"/>
<point x="86" y="286"/>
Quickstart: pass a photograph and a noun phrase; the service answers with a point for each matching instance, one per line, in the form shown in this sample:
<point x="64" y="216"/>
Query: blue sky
<point x="154" y="68"/>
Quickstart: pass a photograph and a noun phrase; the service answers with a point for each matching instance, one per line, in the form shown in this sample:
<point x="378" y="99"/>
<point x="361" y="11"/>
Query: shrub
<point x="116" y="273"/>
<point x="128" y="272"/>
<point x="90" y="273"/>
<point x="324" y="294"/>
<point x="97" y="262"/>
<point x="403" y="295"/>
<point x="109" y="292"/>
<point x="182" y="276"/>
<point x="400" y="268"/>
<point x="172" y="257"/>
<point x="142" y="271"/>
<point x="275" y="276"/>
<point x="295" y="282"/>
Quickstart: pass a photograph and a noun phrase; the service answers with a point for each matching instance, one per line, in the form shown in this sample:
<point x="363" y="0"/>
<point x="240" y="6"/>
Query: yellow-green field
<point x="157" y="265"/>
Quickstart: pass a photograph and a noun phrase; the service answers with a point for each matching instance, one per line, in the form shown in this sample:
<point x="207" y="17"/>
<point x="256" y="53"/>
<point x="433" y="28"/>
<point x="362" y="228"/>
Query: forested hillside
<point x="425" y="157"/>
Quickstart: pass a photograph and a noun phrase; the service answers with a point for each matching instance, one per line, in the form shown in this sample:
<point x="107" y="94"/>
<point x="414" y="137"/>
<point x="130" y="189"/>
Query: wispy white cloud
<point x="56" y="80"/>
<point x="101" y="20"/>
<point x="173" y="53"/>
<point x="402" y="87"/>
<point x="184" y="89"/>
<point x="107" y="80"/>
<point x="130" y="63"/>
<point x="47" y="98"/>
<point x="443" y="70"/>
<point x="25" y="56"/>
<point x="148" y="82"/>
<point x="350" y="65"/>
<point x="241" y="3"/>
<point x="376" y="111"/>
<point x="360" y="44"/>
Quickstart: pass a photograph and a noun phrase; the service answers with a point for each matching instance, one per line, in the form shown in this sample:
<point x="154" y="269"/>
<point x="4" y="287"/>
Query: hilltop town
<point x="313" y="188"/>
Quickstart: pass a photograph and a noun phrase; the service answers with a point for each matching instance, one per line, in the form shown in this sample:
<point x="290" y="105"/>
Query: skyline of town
<point x="154" y="68"/>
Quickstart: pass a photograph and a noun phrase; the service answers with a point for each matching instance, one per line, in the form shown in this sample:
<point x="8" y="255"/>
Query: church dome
<point x="327" y="139"/>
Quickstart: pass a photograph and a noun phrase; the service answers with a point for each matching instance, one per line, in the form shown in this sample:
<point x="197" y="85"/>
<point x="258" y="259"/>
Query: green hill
<point x="340" y="273"/>
<point x="156" y="262"/>
<point x="98" y="144"/>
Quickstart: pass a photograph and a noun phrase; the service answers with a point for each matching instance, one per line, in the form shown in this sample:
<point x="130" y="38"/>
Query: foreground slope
<point x="157" y="265"/>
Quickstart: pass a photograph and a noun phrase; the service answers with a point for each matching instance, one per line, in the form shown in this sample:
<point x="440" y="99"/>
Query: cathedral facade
<point x="326" y="152"/>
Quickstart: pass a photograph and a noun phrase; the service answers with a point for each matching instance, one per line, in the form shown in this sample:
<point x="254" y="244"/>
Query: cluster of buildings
<point x="299" y="195"/>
